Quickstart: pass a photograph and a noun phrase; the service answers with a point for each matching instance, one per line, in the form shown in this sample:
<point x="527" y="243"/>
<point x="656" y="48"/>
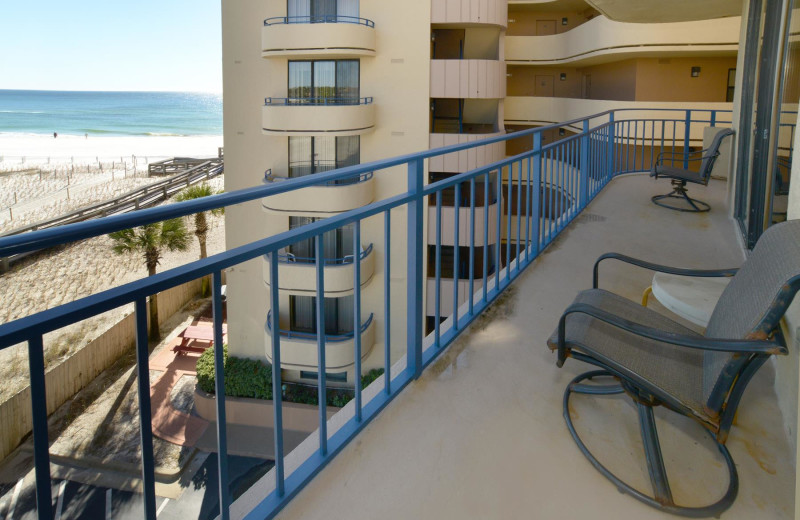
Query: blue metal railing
<point x="289" y="258"/>
<point x="269" y="177"/>
<point x="303" y="101"/>
<point x="329" y="18"/>
<point x="312" y="336"/>
<point x="574" y="170"/>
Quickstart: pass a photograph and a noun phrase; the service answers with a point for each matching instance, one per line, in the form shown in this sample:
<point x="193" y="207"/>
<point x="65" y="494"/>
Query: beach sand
<point x="87" y="267"/>
<point x="38" y="147"/>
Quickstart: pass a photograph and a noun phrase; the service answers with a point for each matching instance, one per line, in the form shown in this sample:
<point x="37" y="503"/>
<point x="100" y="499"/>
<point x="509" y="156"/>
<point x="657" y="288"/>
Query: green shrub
<point x="253" y="378"/>
<point x="243" y="377"/>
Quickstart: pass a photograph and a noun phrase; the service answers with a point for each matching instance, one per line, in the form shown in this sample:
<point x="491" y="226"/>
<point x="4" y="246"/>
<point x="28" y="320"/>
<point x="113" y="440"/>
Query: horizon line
<point x="217" y="92"/>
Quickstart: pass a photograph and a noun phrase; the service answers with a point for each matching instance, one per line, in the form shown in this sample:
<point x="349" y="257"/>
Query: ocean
<point x="110" y="113"/>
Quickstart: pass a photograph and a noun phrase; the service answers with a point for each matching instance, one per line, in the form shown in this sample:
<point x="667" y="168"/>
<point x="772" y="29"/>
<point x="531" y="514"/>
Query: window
<point x="731" y="85"/>
<point x="316" y="11"/>
<point x="309" y="155"/>
<point x="449" y="194"/>
<point x="337" y="244"/>
<point x="333" y="377"/>
<point x="338" y="315"/>
<point x="324" y="82"/>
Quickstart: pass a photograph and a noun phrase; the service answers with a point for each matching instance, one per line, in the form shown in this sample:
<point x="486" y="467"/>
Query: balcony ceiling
<point x="658" y="11"/>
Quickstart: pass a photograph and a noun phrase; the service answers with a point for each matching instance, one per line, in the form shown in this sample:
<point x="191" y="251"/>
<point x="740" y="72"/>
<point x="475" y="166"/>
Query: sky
<point x="153" y="45"/>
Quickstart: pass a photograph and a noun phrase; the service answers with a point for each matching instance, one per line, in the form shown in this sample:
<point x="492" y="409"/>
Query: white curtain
<point x="298" y="8"/>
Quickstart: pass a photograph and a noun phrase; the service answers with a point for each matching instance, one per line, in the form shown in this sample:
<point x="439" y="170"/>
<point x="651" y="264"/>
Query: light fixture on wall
<point x="564" y="21"/>
<point x="563" y="76"/>
<point x="561" y="131"/>
<point x="695" y="72"/>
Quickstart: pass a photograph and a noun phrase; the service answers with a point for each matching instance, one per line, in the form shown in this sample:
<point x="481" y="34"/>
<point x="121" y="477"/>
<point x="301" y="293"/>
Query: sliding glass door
<point x="324" y="82"/>
<point x="320" y="11"/>
<point x="338" y="315"/>
<point x="309" y="155"/>
<point x="336" y="244"/>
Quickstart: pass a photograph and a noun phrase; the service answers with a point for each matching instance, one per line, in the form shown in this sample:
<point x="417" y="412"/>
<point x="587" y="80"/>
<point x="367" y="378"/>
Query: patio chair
<point x="665" y="167"/>
<point x="657" y="361"/>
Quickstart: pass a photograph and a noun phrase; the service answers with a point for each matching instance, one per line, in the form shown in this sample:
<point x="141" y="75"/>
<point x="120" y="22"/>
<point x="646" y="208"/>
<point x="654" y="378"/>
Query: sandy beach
<point x="38" y="148"/>
<point x="87" y="267"/>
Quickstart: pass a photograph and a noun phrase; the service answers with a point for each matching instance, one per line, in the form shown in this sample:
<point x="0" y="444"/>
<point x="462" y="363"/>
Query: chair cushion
<point x="675" y="371"/>
<point x="673" y="172"/>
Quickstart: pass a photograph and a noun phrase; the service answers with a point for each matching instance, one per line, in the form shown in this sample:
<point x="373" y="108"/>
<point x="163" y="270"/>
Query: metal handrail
<point x="312" y="336"/>
<point x="328" y="18"/>
<point x="289" y="258"/>
<point x="304" y="101"/>
<point x="269" y="178"/>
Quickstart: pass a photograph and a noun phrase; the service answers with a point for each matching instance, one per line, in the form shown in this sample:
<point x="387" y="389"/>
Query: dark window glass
<point x="337" y="244"/>
<point x="447" y="262"/>
<point x="338" y="315"/>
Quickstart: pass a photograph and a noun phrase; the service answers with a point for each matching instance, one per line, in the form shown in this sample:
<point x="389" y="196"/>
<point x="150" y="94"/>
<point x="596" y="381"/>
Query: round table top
<point x="691" y="297"/>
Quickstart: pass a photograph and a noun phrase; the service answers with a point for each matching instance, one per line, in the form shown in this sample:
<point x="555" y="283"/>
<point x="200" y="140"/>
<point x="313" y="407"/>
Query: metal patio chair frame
<point x="727" y="364"/>
<point x="680" y="176"/>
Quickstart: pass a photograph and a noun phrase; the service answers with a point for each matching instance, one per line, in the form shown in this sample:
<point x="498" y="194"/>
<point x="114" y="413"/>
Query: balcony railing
<point x="289" y="258"/>
<point x="312" y="336"/>
<point x="330" y="18"/>
<point x="269" y="177"/>
<point x="304" y="101"/>
<point x="580" y="165"/>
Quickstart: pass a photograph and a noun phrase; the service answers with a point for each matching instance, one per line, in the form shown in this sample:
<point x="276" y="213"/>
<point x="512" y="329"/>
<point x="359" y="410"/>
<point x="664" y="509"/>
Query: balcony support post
<point x="584" y="165"/>
<point x="41" y="448"/>
<point x="611" y="149"/>
<point x="416" y="170"/>
<point x="536" y="192"/>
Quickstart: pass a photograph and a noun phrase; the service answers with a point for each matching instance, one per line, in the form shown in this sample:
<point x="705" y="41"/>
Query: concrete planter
<point x="258" y="412"/>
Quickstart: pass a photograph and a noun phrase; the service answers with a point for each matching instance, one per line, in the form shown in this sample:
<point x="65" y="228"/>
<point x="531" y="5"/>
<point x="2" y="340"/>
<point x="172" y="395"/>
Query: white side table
<point x="690" y="297"/>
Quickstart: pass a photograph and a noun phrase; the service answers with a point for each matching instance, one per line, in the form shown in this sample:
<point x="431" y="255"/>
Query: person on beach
<point x="55" y="134"/>
<point x="86" y="136"/>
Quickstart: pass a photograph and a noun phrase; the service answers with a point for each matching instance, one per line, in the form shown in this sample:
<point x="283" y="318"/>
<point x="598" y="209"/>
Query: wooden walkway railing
<point x="144" y="197"/>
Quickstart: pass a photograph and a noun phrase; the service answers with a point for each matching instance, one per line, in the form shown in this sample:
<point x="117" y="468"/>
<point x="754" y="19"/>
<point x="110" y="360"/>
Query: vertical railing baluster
<point x="416" y="169"/>
<point x="687" y="136"/>
<point x="519" y="209"/>
<point x="387" y="315"/>
<point x="277" y="398"/>
<point x="322" y="397"/>
<point x="219" y="388"/>
<point x="498" y="226"/>
<point x="611" y="148"/>
<point x="485" y="235"/>
<point x="674" y="135"/>
<point x="456" y="252"/>
<point x="536" y="193"/>
<point x="528" y="218"/>
<point x="41" y="445"/>
<point x="509" y="213"/>
<point x="471" y="291"/>
<point x="357" y="313"/>
<point x="584" y="162"/>
<point x="437" y="312"/>
<point x="635" y="142"/>
<point x="145" y="416"/>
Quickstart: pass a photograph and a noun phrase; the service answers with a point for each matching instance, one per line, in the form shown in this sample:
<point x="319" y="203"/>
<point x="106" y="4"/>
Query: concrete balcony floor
<point x="480" y="434"/>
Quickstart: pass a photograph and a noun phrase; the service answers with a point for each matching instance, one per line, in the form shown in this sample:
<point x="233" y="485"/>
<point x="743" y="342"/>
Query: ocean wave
<point x="21" y="112"/>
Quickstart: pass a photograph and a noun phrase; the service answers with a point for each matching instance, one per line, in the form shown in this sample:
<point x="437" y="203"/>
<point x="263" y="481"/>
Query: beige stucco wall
<point x="671" y="80"/>
<point x="522" y="20"/>
<point x="311" y="40"/>
<point x="398" y="77"/>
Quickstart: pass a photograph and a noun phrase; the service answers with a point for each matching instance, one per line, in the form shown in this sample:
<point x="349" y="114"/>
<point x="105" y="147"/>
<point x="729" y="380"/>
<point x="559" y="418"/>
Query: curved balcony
<point x="465" y="160"/>
<point x="299" y="349"/>
<point x="606" y="40"/>
<point x="322" y="200"/>
<point x="474" y="79"/>
<point x="314" y="36"/>
<point x="297" y="275"/>
<point x="490" y="12"/>
<point x="310" y="116"/>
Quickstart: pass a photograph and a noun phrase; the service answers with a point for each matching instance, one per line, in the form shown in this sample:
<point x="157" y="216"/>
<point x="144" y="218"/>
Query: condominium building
<point x="315" y="85"/>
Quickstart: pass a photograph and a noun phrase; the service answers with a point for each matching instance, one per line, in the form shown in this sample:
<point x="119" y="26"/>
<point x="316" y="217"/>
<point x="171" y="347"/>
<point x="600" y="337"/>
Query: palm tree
<point x="151" y="240"/>
<point x="200" y="222"/>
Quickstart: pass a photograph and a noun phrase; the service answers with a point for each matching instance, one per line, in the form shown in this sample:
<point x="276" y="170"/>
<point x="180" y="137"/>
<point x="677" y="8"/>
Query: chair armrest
<point x="688" y="156"/>
<point x="705" y="273"/>
<point x="742" y="346"/>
